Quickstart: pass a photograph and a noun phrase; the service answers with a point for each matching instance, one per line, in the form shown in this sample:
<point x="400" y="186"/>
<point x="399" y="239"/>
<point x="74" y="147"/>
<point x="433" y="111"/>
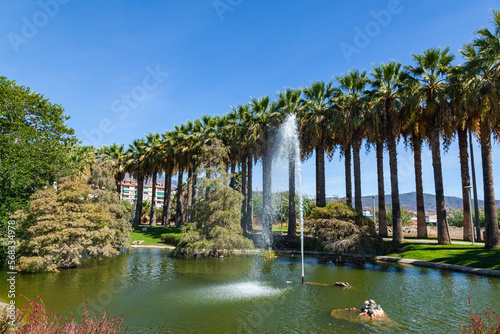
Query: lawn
<point x="153" y="234"/>
<point x="464" y="255"/>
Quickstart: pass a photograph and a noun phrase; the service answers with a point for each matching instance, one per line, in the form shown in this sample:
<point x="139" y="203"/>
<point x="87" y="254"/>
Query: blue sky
<point x="122" y="69"/>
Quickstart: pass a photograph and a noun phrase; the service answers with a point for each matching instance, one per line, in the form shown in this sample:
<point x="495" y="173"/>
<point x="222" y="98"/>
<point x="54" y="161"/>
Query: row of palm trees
<point x="428" y="101"/>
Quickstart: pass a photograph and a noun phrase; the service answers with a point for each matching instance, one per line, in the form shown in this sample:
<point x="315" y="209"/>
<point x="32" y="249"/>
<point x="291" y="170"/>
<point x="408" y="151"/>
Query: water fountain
<point x="287" y="148"/>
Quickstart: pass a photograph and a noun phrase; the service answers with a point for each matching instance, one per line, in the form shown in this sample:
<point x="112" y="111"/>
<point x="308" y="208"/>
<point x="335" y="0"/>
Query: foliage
<point x="307" y="205"/>
<point x="34" y="142"/>
<point x="72" y="222"/>
<point x="463" y="255"/>
<point x="406" y="215"/>
<point x="37" y="319"/>
<point x="171" y="238"/>
<point x="490" y="324"/>
<point x="216" y="228"/>
<point x="456" y="217"/>
<point x="339" y="228"/>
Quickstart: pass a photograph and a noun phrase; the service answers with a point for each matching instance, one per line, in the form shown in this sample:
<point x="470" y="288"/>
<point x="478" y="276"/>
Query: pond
<point x="246" y="294"/>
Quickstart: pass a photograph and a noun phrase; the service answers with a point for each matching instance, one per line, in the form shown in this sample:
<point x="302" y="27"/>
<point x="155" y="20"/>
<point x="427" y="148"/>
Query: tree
<point x="116" y="153"/>
<point x="35" y="143"/>
<point x="432" y="67"/>
<point x="316" y="137"/>
<point x="152" y="162"/>
<point x="77" y="219"/>
<point x="388" y="86"/>
<point x="216" y="230"/>
<point x="135" y="166"/>
<point x="351" y="102"/>
<point x="484" y="75"/>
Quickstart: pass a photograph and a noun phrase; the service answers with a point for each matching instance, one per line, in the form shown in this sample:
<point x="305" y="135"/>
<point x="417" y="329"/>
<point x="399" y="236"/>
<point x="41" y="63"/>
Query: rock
<point x="372" y="310"/>
<point x="342" y="284"/>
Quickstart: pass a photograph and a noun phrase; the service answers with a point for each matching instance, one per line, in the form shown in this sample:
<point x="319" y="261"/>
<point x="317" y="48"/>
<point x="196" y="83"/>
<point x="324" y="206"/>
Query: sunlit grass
<point x="464" y="255"/>
<point x="153" y="234"/>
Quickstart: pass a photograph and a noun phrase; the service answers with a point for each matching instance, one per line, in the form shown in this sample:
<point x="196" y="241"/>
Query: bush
<point x="170" y="238"/>
<point x="406" y="215"/>
<point x="456" y="217"/>
<point x="339" y="228"/>
<point x="37" y="319"/>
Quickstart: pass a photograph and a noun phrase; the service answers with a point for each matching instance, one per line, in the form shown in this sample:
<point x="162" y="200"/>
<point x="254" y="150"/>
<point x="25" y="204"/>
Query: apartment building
<point x="129" y="192"/>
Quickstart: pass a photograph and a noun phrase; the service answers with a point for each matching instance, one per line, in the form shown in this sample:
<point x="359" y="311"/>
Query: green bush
<point x="170" y="238"/>
<point x="406" y="215"/>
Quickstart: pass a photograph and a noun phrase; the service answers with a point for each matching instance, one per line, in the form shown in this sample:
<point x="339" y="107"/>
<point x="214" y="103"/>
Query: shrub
<point x="339" y="228"/>
<point x="37" y="319"/>
<point x="170" y="238"/>
<point x="406" y="216"/>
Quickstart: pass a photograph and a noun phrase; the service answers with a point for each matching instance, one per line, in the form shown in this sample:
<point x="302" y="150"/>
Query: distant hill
<point x="409" y="200"/>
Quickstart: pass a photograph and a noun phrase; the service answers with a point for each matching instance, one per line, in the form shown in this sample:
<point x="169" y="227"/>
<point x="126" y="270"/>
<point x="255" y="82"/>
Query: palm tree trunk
<point x="464" y="171"/>
<point x="189" y="199"/>
<point x="178" y="212"/>
<point x="152" y="216"/>
<point x="417" y="158"/>
<point x="442" y="223"/>
<point x="193" y="186"/>
<point x="166" y="199"/>
<point x="233" y="175"/>
<point x="267" y="194"/>
<point x="249" y="196"/>
<point x="492" y="239"/>
<point x="292" y="216"/>
<point x="356" y="146"/>
<point x="320" y="177"/>
<point x="119" y="179"/>
<point x="382" y="219"/>
<point x="244" y="192"/>
<point x="397" y="225"/>
<point x="138" y="208"/>
<point x="348" y="181"/>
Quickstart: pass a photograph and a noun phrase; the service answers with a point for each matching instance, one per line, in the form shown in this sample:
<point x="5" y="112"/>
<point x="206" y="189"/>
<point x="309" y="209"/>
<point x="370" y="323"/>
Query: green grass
<point x="152" y="235"/>
<point x="463" y="255"/>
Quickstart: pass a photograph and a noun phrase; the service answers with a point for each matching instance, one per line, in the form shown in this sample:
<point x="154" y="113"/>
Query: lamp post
<point x="470" y="211"/>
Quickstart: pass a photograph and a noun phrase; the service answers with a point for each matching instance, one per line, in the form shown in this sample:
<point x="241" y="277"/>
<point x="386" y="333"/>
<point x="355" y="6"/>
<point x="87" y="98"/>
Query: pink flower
<point x="38" y="297"/>
<point x="21" y="295"/>
<point x="468" y="299"/>
<point x="64" y="326"/>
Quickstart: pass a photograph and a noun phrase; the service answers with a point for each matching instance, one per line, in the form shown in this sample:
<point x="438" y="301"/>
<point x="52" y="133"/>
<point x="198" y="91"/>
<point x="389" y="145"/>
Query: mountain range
<point x="409" y="201"/>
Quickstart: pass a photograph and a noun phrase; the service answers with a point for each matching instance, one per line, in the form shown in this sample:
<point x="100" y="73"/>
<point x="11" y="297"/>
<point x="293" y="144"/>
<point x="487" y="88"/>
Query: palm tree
<point x="414" y="130"/>
<point x="432" y="67"/>
<point x="290" y="102"/>
<point x="135" y="166"/>
<point x="152" y="161"/>
<point x="266" y="117"/>
<point x="116" y="153"/>
<point x="484" y="77"/>
<point x="168" y="165"/>
<point x="351" y="102"/>
<point x="458" y="93"/>
<point x="314" y="124"/>
<point x="387" y="96"/>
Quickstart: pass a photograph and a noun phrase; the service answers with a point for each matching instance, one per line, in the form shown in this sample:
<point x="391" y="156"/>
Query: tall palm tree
<point x="290" y="102"/>
<point x="458" y="93"/>
<point x="116" y="153"/>
<point x="352" y="102"/>
<point x="267" y="117"/>
<point x="136" y="167"/>
<point x="168" y="165"/>
<point x="414" y="131"/>
<point x="484" y="76"/>
<point x="388" y="86"/>
<point x="431" y="69"/>
<point x="152" y="161"/>
<point x="314" y="123"/>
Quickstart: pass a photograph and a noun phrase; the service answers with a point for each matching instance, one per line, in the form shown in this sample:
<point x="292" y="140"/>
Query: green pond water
<point x="245" y="294"/>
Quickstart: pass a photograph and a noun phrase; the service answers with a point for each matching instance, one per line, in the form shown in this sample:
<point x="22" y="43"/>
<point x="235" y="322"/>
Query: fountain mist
<point x="288" y="147"/>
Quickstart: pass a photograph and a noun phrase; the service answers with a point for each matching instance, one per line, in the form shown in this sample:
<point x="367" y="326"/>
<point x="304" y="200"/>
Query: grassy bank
<point x="463" y="255"/>
<point x="152" y="235"/>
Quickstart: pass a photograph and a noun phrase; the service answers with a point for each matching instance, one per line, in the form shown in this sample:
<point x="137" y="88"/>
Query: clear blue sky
<point x="122" y="69"/>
